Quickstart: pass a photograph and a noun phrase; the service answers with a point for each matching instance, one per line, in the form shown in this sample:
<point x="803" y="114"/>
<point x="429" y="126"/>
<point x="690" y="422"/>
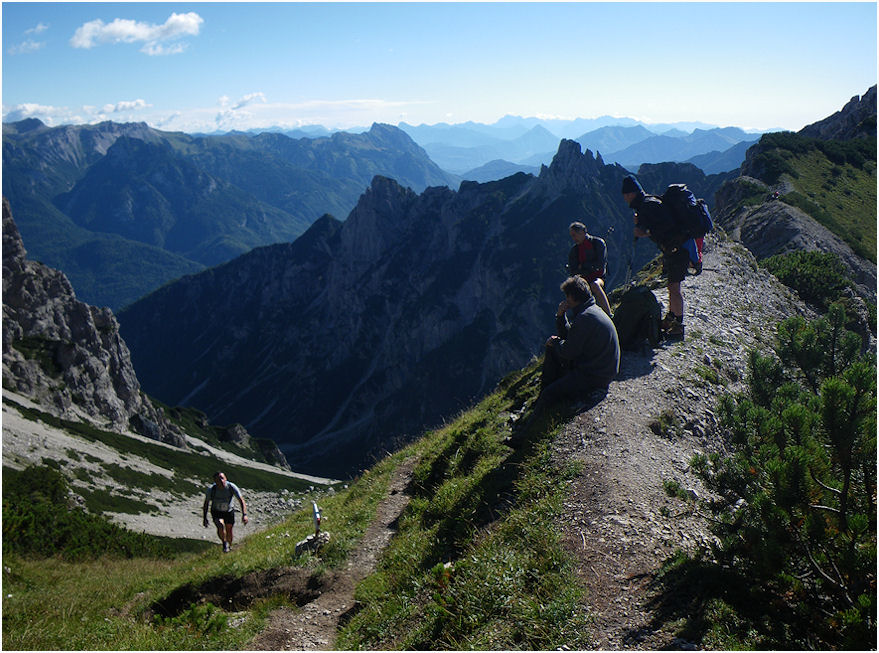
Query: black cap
<point x="631" y="185"/>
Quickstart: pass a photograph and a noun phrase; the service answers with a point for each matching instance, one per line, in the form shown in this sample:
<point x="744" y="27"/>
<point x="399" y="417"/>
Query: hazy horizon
<point x="208" y="66"/>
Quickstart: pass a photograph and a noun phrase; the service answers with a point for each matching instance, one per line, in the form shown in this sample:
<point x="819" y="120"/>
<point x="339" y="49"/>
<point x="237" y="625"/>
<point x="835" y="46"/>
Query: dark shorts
<point x="674" y="265"/>
<point x="226" y="517"/>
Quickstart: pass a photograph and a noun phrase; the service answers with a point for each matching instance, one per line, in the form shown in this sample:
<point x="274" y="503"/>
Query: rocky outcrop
<point x="570" y="169"/>
<point x="66" y="355"/>
<point x="857" y="119"/>
<point x="771" y="226"/>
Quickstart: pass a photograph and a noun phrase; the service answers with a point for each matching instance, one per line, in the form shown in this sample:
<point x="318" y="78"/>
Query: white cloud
<point x="25" y="47"/>
<point x="131" y="105"/>
<point x="250" y="111"/>
<point x="54" y="116"/>
<point x="157" y="39"/>
<point x="157" y="49"/>
<point x="48" y="114"/>
<point x="38" y="29"/>
<point x="250" y="98"/>
<point x="232" y="115"/>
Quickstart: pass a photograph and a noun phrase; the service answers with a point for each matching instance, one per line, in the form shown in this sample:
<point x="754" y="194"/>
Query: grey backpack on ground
<point x="637" y="318"/>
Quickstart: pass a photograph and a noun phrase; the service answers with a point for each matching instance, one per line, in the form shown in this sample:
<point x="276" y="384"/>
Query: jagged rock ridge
<point x="69" y="357"/>
<point x="857" y="119"/>
<point x="65" y="354"/>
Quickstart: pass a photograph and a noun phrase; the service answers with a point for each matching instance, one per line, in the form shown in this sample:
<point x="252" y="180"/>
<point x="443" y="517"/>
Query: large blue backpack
<point x="690" y="214"/>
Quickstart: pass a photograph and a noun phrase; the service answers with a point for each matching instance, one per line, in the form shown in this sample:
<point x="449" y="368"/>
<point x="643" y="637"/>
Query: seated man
<point x="585" y="355"/>
<point x="583" y="359"/>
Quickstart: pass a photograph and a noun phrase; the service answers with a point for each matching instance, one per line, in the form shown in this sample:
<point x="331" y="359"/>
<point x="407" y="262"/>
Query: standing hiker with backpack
<point x="219" y="499"/>
<point x="588" y="259"/>
<point x="676" y="222"/>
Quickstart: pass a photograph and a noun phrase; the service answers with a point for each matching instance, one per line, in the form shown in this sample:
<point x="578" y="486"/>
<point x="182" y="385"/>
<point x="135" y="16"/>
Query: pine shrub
<point x="40" y="520"/>
<point x="818" y="277"/>
<point x="797" y="508"/>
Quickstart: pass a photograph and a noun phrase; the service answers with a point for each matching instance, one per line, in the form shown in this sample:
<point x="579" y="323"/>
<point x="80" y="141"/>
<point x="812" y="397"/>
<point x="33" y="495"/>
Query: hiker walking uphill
<point x="676" y="223"/>
<point x="588" y="259"/>
<point x="219" y="499"/>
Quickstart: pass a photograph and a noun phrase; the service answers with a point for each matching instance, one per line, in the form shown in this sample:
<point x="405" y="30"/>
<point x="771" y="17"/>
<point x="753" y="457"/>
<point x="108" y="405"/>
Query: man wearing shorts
<point x="653" y="221"/>
<point x="219" y="499"/>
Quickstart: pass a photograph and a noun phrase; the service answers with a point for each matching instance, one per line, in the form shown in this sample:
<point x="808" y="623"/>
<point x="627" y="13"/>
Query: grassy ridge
<point x="834" y="181"/>
<point x="477" y="562"/>
<point x="840" y="197"/>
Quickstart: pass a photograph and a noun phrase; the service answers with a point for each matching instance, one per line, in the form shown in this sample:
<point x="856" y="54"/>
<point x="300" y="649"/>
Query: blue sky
<point x="204" y="66"/>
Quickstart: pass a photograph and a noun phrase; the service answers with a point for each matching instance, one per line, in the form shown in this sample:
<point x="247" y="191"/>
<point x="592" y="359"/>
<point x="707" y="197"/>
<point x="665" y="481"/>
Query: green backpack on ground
<point x="637" y="318"/>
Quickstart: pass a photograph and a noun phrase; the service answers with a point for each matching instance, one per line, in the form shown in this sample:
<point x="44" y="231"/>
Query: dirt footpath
<point x="314" y="626"/>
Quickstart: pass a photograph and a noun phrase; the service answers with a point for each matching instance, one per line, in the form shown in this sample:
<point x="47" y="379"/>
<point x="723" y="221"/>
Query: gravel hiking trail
<point x="618" y="522"/>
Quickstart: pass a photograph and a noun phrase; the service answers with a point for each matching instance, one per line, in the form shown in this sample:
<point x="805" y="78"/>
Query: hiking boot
<point x="675" y="329"/>
<point x="669" y="319"/>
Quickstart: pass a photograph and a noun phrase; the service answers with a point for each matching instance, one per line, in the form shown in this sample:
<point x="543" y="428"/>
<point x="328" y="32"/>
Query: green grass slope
<point x="832" y="181"/>
<point x="475" y="563"/>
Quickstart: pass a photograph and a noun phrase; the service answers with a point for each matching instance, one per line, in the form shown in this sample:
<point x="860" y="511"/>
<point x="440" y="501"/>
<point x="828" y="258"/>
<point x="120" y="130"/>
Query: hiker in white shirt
<point x="219" y="499"/>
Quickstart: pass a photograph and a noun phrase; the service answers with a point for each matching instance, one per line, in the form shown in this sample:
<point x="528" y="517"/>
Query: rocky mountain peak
<point x="857" y="119"/>
<point x="26" y="125"/>
<point x="65" y="355"/>
<point x="376" y="220"/>
<point x="393" y="136"/>
<point x="571" y="168"/>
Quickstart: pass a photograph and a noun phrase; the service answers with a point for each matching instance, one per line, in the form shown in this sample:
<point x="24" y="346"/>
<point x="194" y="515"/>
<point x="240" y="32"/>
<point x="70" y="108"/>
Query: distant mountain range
<point x="464" y="149"/>
<point x="123" y="209"/>
<point x="524" y="144"/>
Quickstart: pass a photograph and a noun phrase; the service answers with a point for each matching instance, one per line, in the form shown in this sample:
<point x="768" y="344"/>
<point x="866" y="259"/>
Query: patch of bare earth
<point x="618" y="521"/>
<point x="313" y="626"/>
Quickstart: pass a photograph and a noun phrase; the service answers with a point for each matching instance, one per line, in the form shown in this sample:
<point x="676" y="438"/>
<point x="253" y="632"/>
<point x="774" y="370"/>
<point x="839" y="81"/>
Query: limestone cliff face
<point x="857" y="119"/>
<point x="66" y="355"/>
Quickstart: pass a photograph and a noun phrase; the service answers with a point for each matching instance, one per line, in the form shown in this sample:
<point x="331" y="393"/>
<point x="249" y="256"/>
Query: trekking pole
<point x="631" y="258"/>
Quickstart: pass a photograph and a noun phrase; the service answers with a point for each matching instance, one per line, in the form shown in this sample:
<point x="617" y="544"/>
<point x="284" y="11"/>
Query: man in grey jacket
<point x="585" y="355"/>
<point x="580" y="362"/>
